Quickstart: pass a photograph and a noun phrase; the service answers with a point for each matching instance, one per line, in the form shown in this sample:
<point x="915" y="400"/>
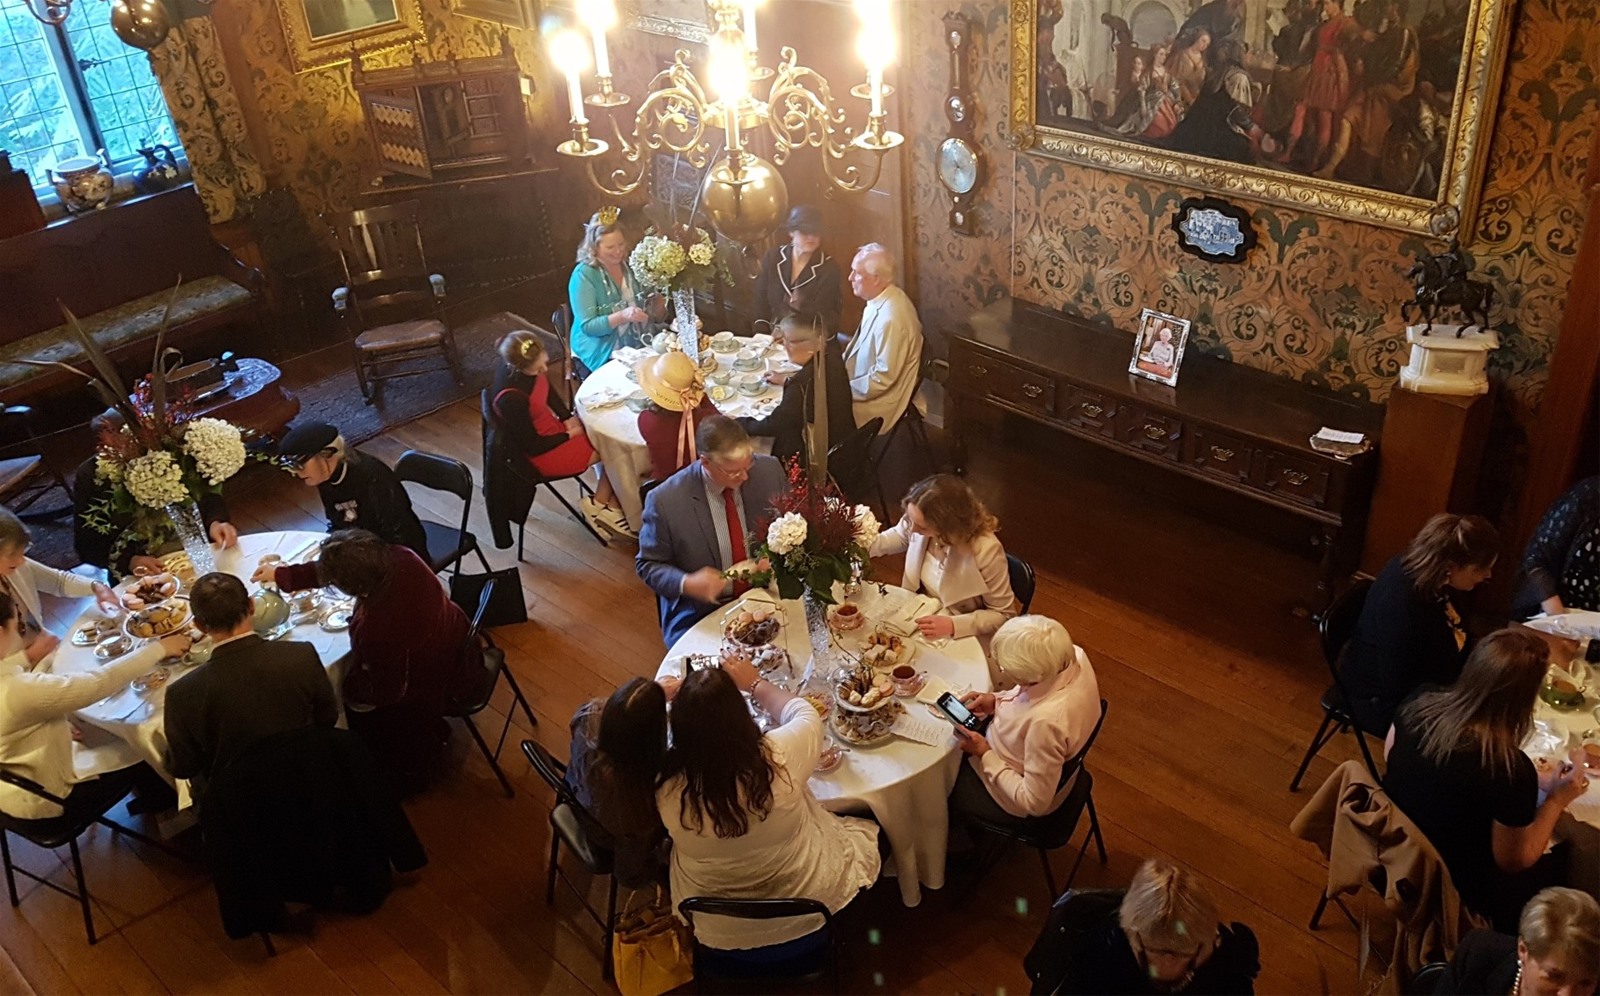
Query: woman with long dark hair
<point x="742" y="821"/>
<point x="1457" y="769"/>
<point x="618" y="745"/>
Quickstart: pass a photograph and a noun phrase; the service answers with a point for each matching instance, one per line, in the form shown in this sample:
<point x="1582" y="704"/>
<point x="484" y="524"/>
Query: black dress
<point x="1485" y="963"/>
<point x="817" y="289"/>
<point x="1563" y="558"/>
<point x="1083" y="949"/>
<point x="1403" y="639"/>
<point x="786" y="425"/>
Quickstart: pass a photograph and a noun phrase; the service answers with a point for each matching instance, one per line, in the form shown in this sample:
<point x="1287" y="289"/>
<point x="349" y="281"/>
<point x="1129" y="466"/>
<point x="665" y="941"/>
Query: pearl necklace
<point x="1516" y="983"/>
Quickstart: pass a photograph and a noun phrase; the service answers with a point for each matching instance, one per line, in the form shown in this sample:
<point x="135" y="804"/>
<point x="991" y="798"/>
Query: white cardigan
<point x="975" y="587"/>
<point x="33" y="577"/>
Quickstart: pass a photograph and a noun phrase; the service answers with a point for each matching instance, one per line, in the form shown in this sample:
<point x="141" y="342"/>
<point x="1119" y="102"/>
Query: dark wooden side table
<point x="255" y="399"/>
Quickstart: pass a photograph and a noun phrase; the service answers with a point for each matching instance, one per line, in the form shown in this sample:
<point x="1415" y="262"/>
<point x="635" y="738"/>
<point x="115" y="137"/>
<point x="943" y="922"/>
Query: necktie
<point x="735" y="538"/>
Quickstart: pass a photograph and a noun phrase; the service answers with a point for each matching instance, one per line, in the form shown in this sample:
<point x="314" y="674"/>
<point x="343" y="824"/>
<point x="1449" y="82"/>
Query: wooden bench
<point x="116" y="269"/>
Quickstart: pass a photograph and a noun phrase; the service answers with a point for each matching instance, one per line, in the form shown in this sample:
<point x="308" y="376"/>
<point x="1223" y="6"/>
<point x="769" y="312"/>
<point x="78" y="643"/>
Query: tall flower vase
<point x="684" y="324"/>
<point x="190" y="529"/>
<point x="823" y="659"/>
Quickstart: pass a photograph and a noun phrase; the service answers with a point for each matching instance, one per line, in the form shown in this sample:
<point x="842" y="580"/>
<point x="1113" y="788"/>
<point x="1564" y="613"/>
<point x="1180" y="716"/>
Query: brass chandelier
<point x="743" y="195"/>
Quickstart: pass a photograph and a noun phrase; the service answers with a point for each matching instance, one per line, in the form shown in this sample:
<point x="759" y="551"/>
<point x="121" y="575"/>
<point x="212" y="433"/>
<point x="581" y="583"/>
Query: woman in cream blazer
<point x="952" y="554"/>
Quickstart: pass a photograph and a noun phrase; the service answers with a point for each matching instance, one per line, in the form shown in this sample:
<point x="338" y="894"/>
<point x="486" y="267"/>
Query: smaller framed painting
<point x="1158" y="348"/>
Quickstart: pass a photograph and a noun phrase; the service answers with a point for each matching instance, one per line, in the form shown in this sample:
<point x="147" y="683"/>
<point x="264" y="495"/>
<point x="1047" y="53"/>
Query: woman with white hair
<point x="1014" y="768"/>
<point x="1163" y="935"/>
<point x="1556" y="951"/>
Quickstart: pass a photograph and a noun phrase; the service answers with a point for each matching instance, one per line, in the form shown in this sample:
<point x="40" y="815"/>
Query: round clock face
<point x="958" y="166"/>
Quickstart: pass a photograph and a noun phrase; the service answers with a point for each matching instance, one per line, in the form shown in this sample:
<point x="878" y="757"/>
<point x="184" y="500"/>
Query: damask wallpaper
<point x="1319" y="298"/>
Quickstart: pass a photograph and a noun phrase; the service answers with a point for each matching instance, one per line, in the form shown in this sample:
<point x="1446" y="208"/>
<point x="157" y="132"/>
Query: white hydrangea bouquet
<point x="815" y="538"/>
<point x="676" y="259"/>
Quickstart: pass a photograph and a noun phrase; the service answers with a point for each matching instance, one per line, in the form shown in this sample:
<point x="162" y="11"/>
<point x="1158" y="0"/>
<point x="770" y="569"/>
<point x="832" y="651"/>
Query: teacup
<point x="638" y="401"/>
<point x="829" y="758"/>
<point x="749" y="359"/>
<point x="662" y="342"/>
<point x="907" y="679"/>
<point x="723" y="342"/>
<point x="113" y="646"/>
<point x="751" y="384"/>
<point x="720" y="378"/>
<point x="1562" y="688"/>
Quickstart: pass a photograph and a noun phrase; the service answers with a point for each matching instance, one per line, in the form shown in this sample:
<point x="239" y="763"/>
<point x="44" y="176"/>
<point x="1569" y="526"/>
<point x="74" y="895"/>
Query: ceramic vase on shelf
<point x="160" y="171"/>
<point x="683" y="322"/>
<point x="83" y="182"/>
<point x="190" y="529"/>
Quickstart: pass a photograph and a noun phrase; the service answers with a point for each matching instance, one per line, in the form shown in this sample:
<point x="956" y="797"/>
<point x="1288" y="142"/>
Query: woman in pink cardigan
<point x="409" y="655"/>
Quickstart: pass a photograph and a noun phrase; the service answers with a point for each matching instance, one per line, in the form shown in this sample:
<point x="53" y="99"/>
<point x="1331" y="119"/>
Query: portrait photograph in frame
<point x="1158" y="346"/>
<point x="324" y="32"/>
<point x="1378" y="111"/>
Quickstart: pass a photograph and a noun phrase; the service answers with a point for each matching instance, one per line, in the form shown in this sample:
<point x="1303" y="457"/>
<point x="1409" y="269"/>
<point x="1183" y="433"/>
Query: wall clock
<point x="958" y="163"/>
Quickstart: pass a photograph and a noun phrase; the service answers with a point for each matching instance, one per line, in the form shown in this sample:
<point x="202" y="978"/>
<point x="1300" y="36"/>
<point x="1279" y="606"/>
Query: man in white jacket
<point x="884" y="355"/>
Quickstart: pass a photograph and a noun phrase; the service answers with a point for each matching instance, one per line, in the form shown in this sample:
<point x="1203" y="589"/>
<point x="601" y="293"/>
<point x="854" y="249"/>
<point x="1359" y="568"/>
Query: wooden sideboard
<point x="1239" y="429"/>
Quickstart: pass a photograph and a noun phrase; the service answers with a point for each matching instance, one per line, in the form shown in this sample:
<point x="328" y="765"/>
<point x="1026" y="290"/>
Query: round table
<point x="613" y="429"/>
<point x="136" y="718"/>
<point x="905" y="784"/>
<point x="1580" y="824"/>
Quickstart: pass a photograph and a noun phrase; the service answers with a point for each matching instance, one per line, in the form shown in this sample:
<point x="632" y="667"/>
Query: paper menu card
<point x="922" y="729"/>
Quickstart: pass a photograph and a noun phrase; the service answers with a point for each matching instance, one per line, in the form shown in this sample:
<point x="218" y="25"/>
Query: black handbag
<point x="506" y="605"/>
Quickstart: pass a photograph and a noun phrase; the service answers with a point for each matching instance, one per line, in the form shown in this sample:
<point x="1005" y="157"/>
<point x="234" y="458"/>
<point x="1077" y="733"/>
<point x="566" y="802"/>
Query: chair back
<point x="553" y="772"/>
<point x="29" y="786"/>
<point x="1338" y="624"/>
<point x="849" y="462"/>
<point x="380" y="244"/>
<point x="1023" y="581"/>
<point x="765" y="909"/>
<point x="475" y="698"/>
<point x="441" y="473"/>
<point x="561" y="322"/>
<point x="1075" y="762"/>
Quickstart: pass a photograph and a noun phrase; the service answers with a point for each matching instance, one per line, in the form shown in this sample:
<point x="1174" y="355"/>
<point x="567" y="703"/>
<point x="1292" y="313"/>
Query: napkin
<point x="602" y="399"/>
<point x="1582" y="625"/>
<point x="629" y="355"/>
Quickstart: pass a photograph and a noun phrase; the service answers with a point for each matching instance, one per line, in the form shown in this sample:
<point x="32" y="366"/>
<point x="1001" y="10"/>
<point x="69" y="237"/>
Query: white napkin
<point x="1582" y="625"/>
<point x="931" y="689"/>
<point x="602" y="399"/>
<point x="629" y="355"/>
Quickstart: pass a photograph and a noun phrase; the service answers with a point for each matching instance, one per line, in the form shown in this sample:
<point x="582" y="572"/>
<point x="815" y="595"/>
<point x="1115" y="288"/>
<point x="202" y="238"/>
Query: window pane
<point x="36" y="126"/>
<point x="124" y="96"/>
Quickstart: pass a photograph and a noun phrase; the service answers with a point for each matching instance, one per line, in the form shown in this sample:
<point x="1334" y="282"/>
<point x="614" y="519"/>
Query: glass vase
<point x="683" y="322"/>
<point x="190" y="530"/>
<point x="824" y="662"/>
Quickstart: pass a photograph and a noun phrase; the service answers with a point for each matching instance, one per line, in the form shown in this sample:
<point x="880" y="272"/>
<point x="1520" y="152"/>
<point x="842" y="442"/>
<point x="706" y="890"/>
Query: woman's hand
<point x="43" y="644"/>
<point x="224" y="535"/>
<point x="106" y="598"/>
<point x="974" y="744"/>
<point x="176" y="644"/>
<point x="1569" y="783"/>
<point x="937" y="627"/>
<point x="737" y="664"/>
<point x="574" y="427"/>
<point x="629" y="316"/>
<point x="144" y="564"/>
<point x="265" y="574"/>
<point x="981" y="704"/>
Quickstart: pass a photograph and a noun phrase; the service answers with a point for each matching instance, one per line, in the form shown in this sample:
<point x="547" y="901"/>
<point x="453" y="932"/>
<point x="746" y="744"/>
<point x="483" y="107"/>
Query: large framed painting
<point x="326" y="32"/>
<point x="1375" y="110"/>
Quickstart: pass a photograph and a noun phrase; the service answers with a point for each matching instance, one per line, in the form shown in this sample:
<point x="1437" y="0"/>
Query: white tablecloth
<point x="906" y="785"/>
<point x="614" y="430"/>
<point x="1580" y="824"/>
<point x="136" y="717"/>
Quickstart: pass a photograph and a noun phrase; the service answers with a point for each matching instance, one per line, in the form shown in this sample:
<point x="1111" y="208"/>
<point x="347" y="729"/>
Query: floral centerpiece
<point x="679" y="260"/>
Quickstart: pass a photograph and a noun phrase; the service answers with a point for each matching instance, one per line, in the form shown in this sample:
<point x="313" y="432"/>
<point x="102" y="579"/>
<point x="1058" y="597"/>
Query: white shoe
<point x="594" y="513"/>
<point x="615" y="521"/>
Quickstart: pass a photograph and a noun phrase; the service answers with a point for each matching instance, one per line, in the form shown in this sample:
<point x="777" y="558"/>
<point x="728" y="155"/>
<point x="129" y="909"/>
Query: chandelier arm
<point x="51" y="12"/>
<point x="620" y="186"/>
<point x="673" y="119"/>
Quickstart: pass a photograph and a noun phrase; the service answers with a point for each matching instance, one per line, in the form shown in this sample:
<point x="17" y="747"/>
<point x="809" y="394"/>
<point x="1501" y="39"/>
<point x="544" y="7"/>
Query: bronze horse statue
<point x="1442" y="282"/>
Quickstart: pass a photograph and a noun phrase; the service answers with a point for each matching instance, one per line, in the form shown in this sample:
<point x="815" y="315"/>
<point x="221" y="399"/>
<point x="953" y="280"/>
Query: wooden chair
<point x="1335" y="628"/>
<point x="386" y="272"/>
<point x="26" y="474"/>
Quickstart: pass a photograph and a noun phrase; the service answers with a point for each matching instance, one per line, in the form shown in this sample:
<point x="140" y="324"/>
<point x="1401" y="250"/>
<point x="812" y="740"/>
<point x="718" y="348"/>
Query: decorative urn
<point x="83" y="182"/>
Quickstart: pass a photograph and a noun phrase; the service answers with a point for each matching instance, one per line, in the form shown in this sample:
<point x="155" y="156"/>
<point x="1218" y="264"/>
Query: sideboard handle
<point x="978" y="371"/>
<point x="1153" y="431"/>
<point x="1295" y="478"/>
<point x="1032" y="390"/>
<point x="1093" y="411"/>
<point x="1220" y="454"/>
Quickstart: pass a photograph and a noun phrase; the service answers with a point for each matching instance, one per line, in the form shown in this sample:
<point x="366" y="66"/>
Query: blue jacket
<point x="678" y="537"/>
<point x="594" y="296"/>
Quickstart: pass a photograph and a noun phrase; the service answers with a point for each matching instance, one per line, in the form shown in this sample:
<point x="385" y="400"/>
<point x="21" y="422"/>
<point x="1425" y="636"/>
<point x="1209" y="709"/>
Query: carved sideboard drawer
<point x="1299" y="480"/>
<point x="1152" y="433"/>
<point x="1222" y="455"/>
<point x="1090" y="411"/>
<point x="985" y="375"/>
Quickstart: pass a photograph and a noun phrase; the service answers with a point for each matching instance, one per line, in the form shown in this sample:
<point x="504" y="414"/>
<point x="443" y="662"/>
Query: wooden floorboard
<point x="1194" y="619"/>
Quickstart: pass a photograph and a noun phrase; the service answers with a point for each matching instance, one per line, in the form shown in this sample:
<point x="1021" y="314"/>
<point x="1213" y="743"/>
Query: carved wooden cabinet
<point x="1239" y="429"/>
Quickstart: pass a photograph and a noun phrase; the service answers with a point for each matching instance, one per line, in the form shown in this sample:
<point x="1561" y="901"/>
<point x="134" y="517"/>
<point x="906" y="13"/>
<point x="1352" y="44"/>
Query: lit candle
<point x="875" y="88"/>
<point x="600" y="16"/>
<point x="567" y="52"/>
<point x="874" y="46"/>
<point x="750" y="24"/>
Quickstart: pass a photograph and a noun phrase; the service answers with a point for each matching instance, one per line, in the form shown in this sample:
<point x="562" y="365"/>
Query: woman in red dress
<point x="546" y="432"/>
<point x="678" y="403"/>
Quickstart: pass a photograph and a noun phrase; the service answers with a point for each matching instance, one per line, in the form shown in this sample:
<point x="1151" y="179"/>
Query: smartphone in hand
<point x="957" y="713"/>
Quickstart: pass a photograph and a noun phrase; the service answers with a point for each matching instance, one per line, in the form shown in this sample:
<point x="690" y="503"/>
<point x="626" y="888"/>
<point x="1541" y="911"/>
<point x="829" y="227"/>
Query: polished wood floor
<point x="1190" y="613"/>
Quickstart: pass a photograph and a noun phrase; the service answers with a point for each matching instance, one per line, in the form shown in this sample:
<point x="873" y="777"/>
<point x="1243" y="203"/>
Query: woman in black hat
<point x="797" y="276"/>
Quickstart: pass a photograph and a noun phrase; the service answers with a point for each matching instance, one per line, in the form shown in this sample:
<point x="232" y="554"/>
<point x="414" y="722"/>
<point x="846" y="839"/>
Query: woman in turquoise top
<point x="605" y="299"/>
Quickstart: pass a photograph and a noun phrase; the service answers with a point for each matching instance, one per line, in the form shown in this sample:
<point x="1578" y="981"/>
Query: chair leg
<point x="83" y="890"/>
<point x="573" y="509"/>
<point x="1316" y="918"/>
<point x="1050" y="876"/>
<point x="555" y="856"/>
<point x="488" y="755"/>
<point x="1094" y="824"/>
<point x="266" y="941"/>
<point x="606" y="968"/>
<point x="1311" y="751"/>
<point x="481" y="559"/>
<point x="1366" y="754"/>
<point x="11" y="878"/>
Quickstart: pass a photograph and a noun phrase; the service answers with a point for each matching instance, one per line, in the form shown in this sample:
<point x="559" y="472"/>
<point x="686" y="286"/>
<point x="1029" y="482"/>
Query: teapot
<point x="159" y="173"/>
<point x="82" y="182"/>
<point x="272" y="611"/>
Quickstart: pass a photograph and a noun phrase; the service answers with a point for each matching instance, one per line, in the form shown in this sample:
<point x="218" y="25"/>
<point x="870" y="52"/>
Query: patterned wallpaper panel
<point x="1318" y="300"/>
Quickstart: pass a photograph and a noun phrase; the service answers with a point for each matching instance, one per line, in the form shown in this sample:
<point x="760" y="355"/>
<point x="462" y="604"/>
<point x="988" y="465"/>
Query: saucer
<point x="916" y="686"/>
<point x="336" y="621"/>
<point x="753" y="390"/>
<point x="720" y="393"/>
<point x="152" y="680"/>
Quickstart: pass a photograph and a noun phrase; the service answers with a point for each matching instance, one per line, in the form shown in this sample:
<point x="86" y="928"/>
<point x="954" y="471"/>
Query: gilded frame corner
<point x="652" y="17"/>
<point x="307" y="53"/>
<point x="1465" y="155"/>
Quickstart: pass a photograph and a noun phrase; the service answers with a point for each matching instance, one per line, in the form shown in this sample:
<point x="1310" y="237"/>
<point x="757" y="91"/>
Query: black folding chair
<point x="447" y="546"/>
<point x="1335" y="629"/>
<point x="494" y="667"/>
<point x="561" y="322"/>
<point x="92" y="800"/>
<point x="567" y="821"/>
<point x="1054" y="830"/>
<point x="850" y="461"/>
<point x="710" y="964"/>
<point x="525" y="470"/>
<point x="1023" y="581"/>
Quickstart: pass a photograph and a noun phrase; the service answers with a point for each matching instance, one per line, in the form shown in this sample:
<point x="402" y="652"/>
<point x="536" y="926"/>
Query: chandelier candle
<point x="599" y="15"/>
<point x="567" y="50"/>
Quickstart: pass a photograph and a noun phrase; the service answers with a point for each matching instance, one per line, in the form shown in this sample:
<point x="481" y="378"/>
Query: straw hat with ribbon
<point x="672" y="381"/>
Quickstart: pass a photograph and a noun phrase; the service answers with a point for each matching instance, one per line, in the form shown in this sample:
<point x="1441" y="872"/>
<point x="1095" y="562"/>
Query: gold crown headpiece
<point x="609" y="214"/>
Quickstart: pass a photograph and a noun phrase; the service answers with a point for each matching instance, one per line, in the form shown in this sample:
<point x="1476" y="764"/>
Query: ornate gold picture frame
<point x="1379" y="111"/>
<point x="325" y="32"/>
<point x="522" y="14"/>
<point x="687" y="20"/>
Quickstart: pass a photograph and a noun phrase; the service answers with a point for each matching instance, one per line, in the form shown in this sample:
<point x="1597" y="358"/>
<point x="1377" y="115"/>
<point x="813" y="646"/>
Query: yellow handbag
<point x="652" y="951"/>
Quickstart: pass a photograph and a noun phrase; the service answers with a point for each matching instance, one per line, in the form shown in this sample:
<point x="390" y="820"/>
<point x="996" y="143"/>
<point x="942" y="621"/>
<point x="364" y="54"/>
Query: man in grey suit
<point x="697" y="523"/>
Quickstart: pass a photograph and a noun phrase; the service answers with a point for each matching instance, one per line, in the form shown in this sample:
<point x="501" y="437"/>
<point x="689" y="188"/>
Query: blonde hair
<point x="1564" y="923"/>
<point x="1490" y="706"/>
<point x="14" y="533"/>
<point x="1031" y="649"/>
<point x="1168" y="909"/>
<point x="597" y="228"/>
<point x="521" y="349"/>
<point x="1449" y="542"/>
<point x="948" y="506"/>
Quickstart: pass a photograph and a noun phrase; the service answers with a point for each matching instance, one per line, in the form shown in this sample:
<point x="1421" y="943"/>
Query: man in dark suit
<point x="697" y="523"/>
<point x="250" y="689"/>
